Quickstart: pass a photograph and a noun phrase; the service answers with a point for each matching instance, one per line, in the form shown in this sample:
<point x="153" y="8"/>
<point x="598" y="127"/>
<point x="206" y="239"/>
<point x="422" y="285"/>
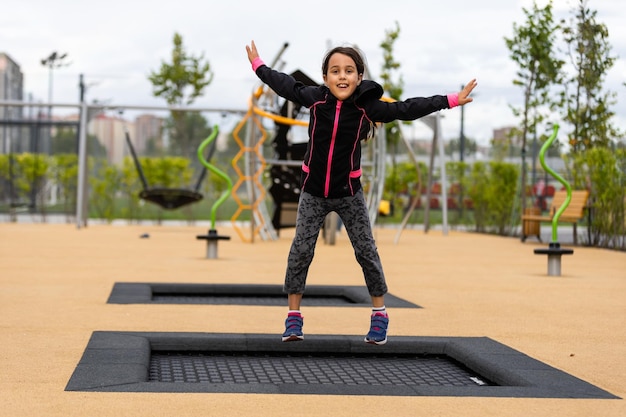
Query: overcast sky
<point x="442" y="44"/>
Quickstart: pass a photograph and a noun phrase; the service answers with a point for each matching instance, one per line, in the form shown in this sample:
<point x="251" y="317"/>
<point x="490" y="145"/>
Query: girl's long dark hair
<point x="350" y="51"/>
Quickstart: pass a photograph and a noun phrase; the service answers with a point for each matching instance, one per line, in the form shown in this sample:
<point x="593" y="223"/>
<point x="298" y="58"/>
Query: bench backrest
<point x="576" y="206"/>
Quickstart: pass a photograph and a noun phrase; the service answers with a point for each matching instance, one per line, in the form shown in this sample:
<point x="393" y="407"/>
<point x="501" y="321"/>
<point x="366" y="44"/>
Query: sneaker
<point x="378" y="329"/>
<point x="293" y="329"/>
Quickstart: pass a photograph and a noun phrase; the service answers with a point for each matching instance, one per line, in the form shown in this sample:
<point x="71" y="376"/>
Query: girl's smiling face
<point x="342" y="77"/>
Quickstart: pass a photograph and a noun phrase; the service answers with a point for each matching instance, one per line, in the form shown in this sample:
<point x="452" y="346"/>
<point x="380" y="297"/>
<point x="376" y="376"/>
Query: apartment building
<point x="11" y="89"/>
<point x="148" y="127"/>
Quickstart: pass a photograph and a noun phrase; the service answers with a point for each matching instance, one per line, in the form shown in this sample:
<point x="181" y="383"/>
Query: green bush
<point x="29" y="177"/>
<point x="169" y="172"/>
<point x="104" y="186"/>
<point x="602" y="171"/>
<point x="491" y="187"/>
<point x="479" y="180"/>
<point x="130" y="186"/>
<point x="493" y="192"/>
<point x="502" y="189"/>
<point x="403" y="182"/>
<point x="64" y="173"/>
<point x="4" y="176"/>
<point x="458" y="177"/>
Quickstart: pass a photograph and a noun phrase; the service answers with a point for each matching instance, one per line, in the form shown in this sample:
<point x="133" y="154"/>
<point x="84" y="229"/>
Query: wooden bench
<point x="572" y="213"/>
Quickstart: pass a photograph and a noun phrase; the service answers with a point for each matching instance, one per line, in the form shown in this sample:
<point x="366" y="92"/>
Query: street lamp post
<point x="55" y="60"/>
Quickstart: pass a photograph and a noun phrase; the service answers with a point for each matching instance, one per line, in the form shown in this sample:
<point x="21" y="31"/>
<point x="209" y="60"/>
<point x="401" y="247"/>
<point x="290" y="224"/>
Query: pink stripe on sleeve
<point x="453" y="100"/>
<point x="256" y="63"/>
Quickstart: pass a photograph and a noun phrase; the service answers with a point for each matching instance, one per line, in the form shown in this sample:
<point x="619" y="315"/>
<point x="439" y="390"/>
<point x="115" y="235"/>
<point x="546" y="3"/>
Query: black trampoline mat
<point x="244" y="294"/>
<point x="321" y="364"/>
<point x="247" y="299"/>
<point x="309" y="368"/>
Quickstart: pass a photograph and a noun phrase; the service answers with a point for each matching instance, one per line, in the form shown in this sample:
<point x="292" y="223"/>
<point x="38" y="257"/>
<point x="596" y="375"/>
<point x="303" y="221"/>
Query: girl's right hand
<point x="252" y="52"/>
<point x="464" y="97"/>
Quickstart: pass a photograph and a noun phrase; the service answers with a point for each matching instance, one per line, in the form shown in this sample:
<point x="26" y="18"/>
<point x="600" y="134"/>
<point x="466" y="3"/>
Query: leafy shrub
<point x="602" y="171"/>
<point x="492" y="189"/>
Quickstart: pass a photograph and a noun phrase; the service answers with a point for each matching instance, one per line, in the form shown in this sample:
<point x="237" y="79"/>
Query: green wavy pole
<point x="542" y="153"/>
<point x="216" y="171"/>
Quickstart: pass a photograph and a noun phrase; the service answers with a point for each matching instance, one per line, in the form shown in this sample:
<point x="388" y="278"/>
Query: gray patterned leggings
<point x="353" y="213"/>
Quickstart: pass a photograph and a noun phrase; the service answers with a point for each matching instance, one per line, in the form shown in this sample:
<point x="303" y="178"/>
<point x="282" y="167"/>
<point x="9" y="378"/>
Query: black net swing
<point x="168" y="198"/>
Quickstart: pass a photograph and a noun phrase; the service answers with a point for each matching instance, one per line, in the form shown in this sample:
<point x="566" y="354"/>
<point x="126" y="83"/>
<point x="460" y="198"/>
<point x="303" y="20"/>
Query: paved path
<point x="55" y="281"/>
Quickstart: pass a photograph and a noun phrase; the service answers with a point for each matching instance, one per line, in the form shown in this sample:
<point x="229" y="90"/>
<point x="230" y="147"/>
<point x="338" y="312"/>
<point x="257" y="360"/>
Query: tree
<point x="394" y="89"/>
<point x="180" y="83"/>
<point x="191" y="125"/>
<point x="64" y="141"/>
<point x="532" y="47"/>
<point x="587" y="106"/>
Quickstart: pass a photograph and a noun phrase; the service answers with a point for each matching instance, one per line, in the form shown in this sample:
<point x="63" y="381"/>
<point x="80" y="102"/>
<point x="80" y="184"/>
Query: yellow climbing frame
<point x="252" y="118"/>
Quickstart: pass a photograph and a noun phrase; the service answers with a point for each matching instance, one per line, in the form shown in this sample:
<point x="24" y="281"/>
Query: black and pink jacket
<point x="332" y="163"/>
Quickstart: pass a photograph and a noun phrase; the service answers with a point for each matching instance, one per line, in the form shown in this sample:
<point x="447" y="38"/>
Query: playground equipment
<point x="554" y="250"/>
<point x="284" y="166"/>
<point x="212" y="237"/>
<point x="167" y="198"/>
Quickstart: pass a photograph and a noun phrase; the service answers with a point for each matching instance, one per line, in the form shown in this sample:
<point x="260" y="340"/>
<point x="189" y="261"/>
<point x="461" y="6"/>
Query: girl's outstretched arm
<point x="417" y="107"/>
<point x="283" y="84"/>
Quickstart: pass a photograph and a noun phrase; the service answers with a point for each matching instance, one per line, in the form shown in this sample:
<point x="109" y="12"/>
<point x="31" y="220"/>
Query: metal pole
<point x="81" y="198"/>
<point x="444" y="182"/>
<point x="50" y="67"/>
<point x="461" y="157"/>
<point x="5" y="111"/>
<point x="462" y="133"/>
<point x="534" y="162"/>
<point x="249" y="170"/>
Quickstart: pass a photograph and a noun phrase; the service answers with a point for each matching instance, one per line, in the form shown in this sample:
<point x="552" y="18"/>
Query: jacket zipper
<point x="332" y="148"/>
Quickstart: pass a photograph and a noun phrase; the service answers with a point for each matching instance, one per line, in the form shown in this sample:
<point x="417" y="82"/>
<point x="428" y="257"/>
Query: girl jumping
<point x="342" y="113"/>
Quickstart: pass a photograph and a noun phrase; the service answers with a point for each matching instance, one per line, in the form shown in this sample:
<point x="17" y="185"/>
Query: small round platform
<point x="554" y="252"/>
<point x="211" y="242"/>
